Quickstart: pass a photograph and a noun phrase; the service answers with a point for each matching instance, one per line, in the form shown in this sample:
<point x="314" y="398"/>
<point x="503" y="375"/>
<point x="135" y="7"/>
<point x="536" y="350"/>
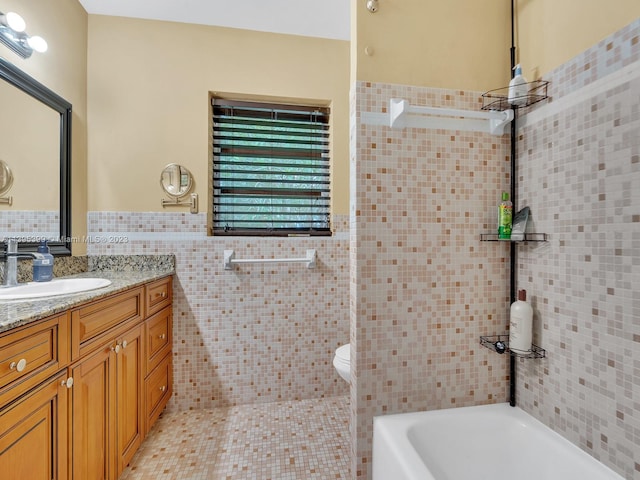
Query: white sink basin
<point x="57" y="286"/>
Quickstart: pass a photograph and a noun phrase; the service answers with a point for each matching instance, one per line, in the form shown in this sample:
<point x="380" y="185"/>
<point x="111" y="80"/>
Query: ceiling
<point x="312" y="18"/>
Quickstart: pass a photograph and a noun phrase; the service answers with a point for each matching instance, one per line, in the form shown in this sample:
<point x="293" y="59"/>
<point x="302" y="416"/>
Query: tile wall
<point x="252" y="335"/>
<point x="423" y="286"/>
<point x="579" y="172"/>
<point x="22" y="223"/>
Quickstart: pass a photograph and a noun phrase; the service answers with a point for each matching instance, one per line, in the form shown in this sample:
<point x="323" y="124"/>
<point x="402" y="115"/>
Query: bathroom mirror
<point x="35" y="131"/>
<point x="6" y="177"/>
<point x="176" y="180"/>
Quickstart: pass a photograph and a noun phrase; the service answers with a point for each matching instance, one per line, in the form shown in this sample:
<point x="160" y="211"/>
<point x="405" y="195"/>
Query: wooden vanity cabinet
<point x="33" y="400"/>
<point x="158" y="366"/>
<point x="33" y="433"/>
<point x="79" y="391"/>
<point x="31" y="354"/>
<point x="158" y="295"/>
<point x="107" y="407"/>
<point x="92" y="407"/>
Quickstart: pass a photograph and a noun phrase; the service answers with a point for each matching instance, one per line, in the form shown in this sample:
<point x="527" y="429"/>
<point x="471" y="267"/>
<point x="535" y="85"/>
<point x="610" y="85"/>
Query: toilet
<point x="342" y="361"/>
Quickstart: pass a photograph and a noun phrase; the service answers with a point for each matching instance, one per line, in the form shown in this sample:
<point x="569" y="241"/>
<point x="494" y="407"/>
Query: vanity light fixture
<point x="13" y="35"/>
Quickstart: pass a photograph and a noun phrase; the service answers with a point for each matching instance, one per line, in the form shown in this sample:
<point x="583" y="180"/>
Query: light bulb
<point x="39" y="44"/>
<point x="15" y="22"/>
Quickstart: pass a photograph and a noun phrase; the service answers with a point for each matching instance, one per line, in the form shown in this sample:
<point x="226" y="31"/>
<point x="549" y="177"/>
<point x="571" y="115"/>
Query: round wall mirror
<point x="6" y="177"/>
<point x="176" y="180"/>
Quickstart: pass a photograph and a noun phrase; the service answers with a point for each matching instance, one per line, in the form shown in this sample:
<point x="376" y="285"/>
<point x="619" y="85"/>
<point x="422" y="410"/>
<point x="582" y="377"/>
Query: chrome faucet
<point x="11" y="256"/>
<point x="11" y="263"/>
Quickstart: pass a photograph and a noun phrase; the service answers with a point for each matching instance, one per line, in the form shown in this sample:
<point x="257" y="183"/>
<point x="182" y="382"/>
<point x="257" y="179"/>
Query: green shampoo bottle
<point x="505" y="217"/>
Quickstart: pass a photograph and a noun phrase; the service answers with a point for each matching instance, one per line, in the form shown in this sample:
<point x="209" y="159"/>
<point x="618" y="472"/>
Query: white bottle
<point x="518" y="88"/>
<point x="521" y="324"/>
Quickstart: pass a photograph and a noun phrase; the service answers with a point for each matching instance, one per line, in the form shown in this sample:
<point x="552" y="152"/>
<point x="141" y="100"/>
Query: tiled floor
<point x="307" y="439"/>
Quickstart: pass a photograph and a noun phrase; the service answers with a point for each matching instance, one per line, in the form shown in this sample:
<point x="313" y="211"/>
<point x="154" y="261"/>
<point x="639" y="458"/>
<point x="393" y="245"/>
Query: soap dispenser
<point x="43" y="264"/>
<point x="518" y="88"/>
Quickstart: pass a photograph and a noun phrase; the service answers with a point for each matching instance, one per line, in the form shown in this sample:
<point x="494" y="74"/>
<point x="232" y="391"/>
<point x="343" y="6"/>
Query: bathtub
<point x="477" y="443"/>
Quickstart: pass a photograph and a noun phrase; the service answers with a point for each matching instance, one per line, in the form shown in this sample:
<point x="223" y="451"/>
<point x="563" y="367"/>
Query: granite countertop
<point x="15" y="313"/>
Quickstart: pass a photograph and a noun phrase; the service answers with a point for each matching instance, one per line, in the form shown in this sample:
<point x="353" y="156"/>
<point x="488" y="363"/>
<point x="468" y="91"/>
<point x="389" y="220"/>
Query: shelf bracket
<point x="397" y="111"/>
<point x="497" y="125"/>
<point x="176" y="202"/>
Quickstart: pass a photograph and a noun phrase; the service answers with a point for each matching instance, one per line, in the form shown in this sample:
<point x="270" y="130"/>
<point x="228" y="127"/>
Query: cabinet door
<point x="92" y="417"/>
<point x="33" y="434"/>
<point x="129" y="393"/>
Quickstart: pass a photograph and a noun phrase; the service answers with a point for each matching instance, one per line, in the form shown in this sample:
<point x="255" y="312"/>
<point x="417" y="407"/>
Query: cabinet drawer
<point x="158" y="390"/>
<point x="158" y="333"/>
<point x="158" y="295"/>
<point x="31" y="354"/>
<point x="90" y="324"/>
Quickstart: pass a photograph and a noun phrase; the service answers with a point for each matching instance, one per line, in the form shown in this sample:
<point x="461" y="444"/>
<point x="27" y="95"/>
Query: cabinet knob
<point x="116" y="349"/>
<point x="163" y="388"/>
<point x="19" y="366"/>
<point x="162" y="336"/>
<point x="124" y="344"/>
<point x="67" y="383"/>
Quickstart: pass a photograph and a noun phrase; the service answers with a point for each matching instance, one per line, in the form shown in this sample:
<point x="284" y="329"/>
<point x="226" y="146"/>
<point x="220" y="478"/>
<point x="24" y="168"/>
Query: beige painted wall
<point x="30" y="146"/>
<point x="149" y="84"/>
<point x="62" y="68"/>
<point x="459" y="44"/>
<point x="549" y="32"/>
<point x="465" y="43"/>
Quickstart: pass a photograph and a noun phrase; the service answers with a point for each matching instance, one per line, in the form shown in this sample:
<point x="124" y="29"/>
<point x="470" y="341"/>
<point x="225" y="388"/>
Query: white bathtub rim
<point x="413" y="465"/>
<point x="410" y="461"/>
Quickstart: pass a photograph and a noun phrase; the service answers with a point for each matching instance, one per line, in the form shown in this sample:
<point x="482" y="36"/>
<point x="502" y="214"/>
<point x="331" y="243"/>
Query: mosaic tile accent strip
<point x="22" y="224"/>
<point x="579" y="172"/>
<point x="101" y="223"/>
<point x="305" y="439"/>
<point x="423" y="286"/>
<point x="257" y="333"/>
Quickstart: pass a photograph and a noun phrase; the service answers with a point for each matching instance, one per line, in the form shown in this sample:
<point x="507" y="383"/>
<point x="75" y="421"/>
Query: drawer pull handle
<point x="67" y="383"/>
<point x="163" y="388"/>
<point x="116" y="349"/>
<point x="162" y="336"/>
<point x="19" y="366"/>
<point x="161" y="295"/>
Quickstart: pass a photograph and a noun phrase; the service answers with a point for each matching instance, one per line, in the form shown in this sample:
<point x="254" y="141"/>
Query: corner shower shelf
<point x="498" y="99"/>
<point x="490" y="341"/>
<point x="528" y="237"/>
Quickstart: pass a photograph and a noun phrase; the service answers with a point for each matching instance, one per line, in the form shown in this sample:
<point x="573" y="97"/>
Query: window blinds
<point x="271" y="173"/>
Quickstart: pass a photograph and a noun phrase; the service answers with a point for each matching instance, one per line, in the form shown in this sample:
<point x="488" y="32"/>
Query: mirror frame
<point x="19" y="79"/>
<point x="182" y="168"/>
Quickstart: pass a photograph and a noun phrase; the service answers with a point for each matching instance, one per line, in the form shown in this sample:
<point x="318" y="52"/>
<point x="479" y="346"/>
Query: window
<point x="270" y="169"/>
